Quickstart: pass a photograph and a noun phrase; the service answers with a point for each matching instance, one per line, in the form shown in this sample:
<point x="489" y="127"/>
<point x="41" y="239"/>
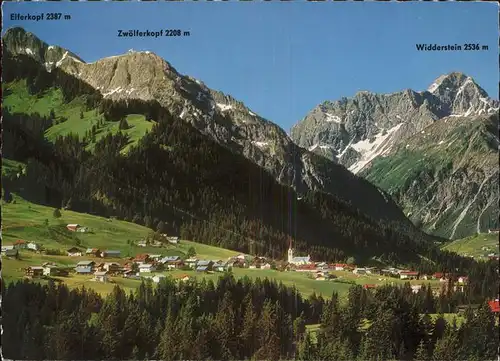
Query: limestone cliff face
<point x="146" y="76"/>
<point x="358" y="130"/>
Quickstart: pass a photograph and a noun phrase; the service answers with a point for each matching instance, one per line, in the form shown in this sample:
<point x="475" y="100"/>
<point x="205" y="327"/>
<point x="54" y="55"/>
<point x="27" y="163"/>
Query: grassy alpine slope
<point x="79" y="121"/>
<point x="451" y="157"/>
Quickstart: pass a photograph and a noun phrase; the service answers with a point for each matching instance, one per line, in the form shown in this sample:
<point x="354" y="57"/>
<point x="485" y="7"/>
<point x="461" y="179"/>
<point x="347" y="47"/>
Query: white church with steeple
<point x="297" y="260"/>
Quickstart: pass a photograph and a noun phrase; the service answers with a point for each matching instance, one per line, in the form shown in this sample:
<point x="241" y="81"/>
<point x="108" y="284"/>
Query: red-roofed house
<point x="339" y="266"/>
<point x="20" y="244"/>
<point x="141" y="258"/>
<point x="306" y="268"/>
<point x="463" y="279"/>
<point x="408" y="275"/>
<point x="370" y="286"/>
<point x="494" y="306"/>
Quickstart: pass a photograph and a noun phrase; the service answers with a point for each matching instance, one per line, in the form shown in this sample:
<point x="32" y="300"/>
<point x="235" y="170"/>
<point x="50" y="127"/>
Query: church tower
<point x="290" y="252"/>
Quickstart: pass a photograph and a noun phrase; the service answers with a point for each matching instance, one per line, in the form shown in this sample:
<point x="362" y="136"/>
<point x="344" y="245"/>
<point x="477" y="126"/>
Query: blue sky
<point x="282" y="59"/>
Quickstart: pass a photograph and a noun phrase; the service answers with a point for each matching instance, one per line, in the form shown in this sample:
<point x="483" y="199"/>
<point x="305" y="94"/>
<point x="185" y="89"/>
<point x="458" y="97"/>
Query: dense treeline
<point x="236" y="320"/>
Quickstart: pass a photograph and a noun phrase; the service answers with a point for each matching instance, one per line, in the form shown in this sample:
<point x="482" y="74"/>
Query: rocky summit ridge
<point x="357" y="130"/>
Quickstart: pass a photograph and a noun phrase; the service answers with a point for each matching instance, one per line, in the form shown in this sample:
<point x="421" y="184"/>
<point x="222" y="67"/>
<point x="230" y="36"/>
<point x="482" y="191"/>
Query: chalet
<point x="146" y="267"/>
<point x="359" y="271"/>
<point x="83" y="270"/>
<point x="183" y="278"/>
<point x="205" y="263"/>
<point x="34" y="271"/>
<point x="306" y="268"/>
<point x="110" y="254"/>
<point x="74" y="252"/>
<point x="369" y="286"/>
<point x="158" y="278"/>
<point x="241" y="256"/>
<point x="493" y="230"/>
<point x="33" y="246"/>
<point x="101" y="276"/>
<point x="265" y="266"/>
<point x="201" y="269"/>
<point x="141" y="258"/>
<point x="155" y="257"/>
<point x="494" y="306"/>
<point x="128" y="273"/>
<point x="173" y="240"/>
<point x="191" y="262"/>
<point x="11" y="253"/>
<point x="4" y="248"/>
<point x="20" y="244"/>
<point x="112" y="267"/>
<point x="408" y="275"/>
<point x="53" y="270"/>
<point x="93" y="252"/>
<point x="156" y="244"/>
<point x="339" y="266"/>
<point x="416" y="288"/>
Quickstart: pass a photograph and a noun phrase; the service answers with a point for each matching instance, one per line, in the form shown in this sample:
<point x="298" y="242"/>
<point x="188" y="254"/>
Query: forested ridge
<point x="198" y="188"/>
<point x="259" y="320"/>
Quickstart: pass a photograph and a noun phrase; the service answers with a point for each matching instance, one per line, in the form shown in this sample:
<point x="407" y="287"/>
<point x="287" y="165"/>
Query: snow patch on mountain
<point x="63" y="57"/>
<point x="260" y="144"/>
<point x="224" y="107"/>
<point x="369" y="150"/>
<point x="332" y="118"/>
<point x="29" y="51"/>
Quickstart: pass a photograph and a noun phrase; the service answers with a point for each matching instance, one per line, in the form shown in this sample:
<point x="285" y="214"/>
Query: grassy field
<point x="31" y="222"/>
<point x="19" y="100"/>
<point x="472" y="246"/>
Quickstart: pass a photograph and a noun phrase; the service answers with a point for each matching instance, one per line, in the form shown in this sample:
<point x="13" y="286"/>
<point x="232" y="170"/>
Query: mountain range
<point x="434" y="151"/>
<point x="342" y="150"/>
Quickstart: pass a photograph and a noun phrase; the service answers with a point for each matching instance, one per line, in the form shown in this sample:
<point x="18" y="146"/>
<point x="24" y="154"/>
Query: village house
<point x="183" y="278"/>
<point x="493" y="230"/>
<point x="110" y="254"/>
<point x="11" y="253"/>
<point x="204" y="265"/>
<point x="154" y="257"/>
<point x="34" y="271"/>
<point x="369" y="286"/>
<point x="171" y="262"/>
<point x="404" y="275"/>
<point x="84" y="267"/>
<point x="463" y="280"/>
<point x="339" y="266"/>
<point x="158" y="278"/>
<point x="53" y="270"/>
<point x="20" y="244"/>
<point x="142" y="244"/>
<point x="416" y="288"/>
<point x="33" y="246"/>
<point x="101" y="276"/>
<point x="265" y="266"/>
<point x="359" y="271"/>
<point x="191" y="262"/>
<point x="241" y="256"/>
<point x="494" y="305"/>
<point x="76" y="228"/>
<point x="173" y="240"/>
<point x="306" y="268"/>
<point x="112" y="267"/>
<point x="95" y="252"/>
<point x="74" y="252"/>
<point x="6" y="247"/>
<point x="142" y="258"/>
<point x="146" y="267"/>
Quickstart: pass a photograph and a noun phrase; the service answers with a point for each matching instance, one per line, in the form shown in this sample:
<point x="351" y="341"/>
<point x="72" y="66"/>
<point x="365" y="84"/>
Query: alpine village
<point x="146" y="216"/>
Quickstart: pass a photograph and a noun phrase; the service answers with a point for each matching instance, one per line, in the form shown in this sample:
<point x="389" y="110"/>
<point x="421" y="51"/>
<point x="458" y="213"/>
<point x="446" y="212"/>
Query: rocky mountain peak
<point x="17" y="40"/>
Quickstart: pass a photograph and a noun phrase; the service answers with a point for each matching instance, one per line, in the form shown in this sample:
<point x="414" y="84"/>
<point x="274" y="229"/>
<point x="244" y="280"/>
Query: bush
<point x="57" y="213"/>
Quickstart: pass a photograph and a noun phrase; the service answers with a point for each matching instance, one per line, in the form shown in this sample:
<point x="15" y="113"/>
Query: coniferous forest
<point x="239" y="320"/>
